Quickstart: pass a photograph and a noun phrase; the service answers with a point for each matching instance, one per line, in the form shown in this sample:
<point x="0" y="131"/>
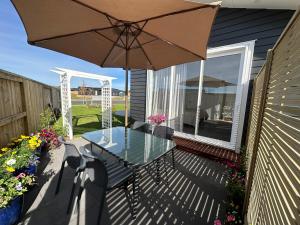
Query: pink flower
<point x="217" y="222"/>
<point x="230" y="218"/>
<point x="157" y="119"/>
<point x="230" y="164"/>
<point x="21" y="175"/>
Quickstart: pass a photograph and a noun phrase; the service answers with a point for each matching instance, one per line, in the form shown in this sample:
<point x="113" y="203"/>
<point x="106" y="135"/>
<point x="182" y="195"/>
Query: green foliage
<point x="12" y="187"/>
<point x="46" y="118"/>
<point x="58" y="127"/>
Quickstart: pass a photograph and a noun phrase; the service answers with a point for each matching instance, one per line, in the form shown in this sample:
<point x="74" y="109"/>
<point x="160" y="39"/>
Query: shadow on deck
<point x="194" y="193"/>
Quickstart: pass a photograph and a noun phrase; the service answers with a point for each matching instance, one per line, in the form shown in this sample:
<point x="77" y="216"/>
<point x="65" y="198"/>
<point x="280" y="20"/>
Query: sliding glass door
<point x="205" y="100"/>
<point x="218" y="98"/>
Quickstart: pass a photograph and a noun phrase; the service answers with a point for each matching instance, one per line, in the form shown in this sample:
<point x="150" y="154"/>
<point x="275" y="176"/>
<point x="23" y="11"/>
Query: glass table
<point x="135" y="148"/>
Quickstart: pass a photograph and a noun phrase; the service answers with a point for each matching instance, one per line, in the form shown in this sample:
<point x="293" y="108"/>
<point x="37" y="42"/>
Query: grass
<point x="91" y="123"/>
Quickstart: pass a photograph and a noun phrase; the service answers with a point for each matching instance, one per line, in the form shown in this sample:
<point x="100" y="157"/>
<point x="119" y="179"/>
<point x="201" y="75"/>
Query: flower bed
<point x="235" y="191"/>
<point x="18" y="168"/>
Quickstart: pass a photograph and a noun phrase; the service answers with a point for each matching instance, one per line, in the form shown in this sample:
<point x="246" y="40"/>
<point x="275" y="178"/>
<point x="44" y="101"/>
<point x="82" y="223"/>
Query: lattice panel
<point x="106" y="105"/>
<point x="66" y="104"/>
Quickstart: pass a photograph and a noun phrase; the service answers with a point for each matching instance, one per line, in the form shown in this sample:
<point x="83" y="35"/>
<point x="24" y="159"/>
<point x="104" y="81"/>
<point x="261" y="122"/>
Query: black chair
<point x="75" y="161"/>
<point x="163" y="132"/>
<point x="97" y="174"/>
<point x="167" y="133"/>
<point x="106" y="176"/>
<point x="141" y="126"/>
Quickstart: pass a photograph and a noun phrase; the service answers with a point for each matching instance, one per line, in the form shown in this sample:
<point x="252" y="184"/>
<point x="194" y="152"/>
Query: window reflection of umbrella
<point x="208" y="81"/>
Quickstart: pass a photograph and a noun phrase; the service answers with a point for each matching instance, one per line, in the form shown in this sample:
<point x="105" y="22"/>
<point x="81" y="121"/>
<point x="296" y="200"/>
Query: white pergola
<point x="66" y="103"/>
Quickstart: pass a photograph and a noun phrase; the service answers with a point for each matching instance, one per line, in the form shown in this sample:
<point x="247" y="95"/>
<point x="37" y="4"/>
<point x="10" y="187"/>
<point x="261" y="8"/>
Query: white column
<point x="106" y="105"/>
<point x="66" y="104"/>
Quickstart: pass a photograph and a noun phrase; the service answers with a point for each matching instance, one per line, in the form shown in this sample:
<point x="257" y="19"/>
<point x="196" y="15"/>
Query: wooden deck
<point x="206" y="150"/>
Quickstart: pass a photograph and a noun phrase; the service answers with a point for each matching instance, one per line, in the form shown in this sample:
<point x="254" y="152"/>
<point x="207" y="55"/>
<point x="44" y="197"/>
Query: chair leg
<point x="165" y="168"/>
<point x="76" y="177"/>
<point x="157" y="162"/>
<point x="101" y="207"/>
<point x="59" y="178"/>
<point x="135" y="189"/>
<point x="173" y="158"/>
<point x="81" y="187"/>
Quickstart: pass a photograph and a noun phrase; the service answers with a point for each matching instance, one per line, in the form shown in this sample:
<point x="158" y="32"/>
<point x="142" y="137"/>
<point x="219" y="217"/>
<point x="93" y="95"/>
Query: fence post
<point x="24" y="107"/>
<point x="258" y="130"/>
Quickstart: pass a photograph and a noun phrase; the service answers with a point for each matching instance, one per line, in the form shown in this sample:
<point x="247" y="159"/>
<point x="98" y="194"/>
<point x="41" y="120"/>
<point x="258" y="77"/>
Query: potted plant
<point x="12" y="189"/>
<point x="21" y="158"/>
<point x="157" y="120"/>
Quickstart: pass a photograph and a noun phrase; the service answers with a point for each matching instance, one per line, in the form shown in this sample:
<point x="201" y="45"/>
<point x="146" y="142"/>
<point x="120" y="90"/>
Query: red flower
<point x="230" y="218"/>
<point x="217" y="222"/>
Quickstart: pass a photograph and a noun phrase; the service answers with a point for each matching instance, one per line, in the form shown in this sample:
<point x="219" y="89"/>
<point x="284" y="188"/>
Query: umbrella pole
<point x="126" y="89"/>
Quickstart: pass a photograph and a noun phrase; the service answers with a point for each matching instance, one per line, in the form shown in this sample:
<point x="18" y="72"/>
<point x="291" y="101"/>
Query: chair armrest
<point x="82" y="165"/>
<point x="87" y="155"/>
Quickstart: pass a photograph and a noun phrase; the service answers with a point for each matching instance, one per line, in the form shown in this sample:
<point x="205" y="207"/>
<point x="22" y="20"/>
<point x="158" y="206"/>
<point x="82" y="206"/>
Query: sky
<point x="17" y="56"/>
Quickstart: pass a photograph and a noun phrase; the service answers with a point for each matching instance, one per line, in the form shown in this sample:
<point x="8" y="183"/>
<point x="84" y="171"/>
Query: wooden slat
<point x="21" y="103"/>
<point x="275" y="191"/>
<point x="9" y="119"/>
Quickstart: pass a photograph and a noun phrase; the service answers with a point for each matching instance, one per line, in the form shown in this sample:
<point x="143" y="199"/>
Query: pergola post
<point x="106" y="104"/>
<point x="66" y="103"/>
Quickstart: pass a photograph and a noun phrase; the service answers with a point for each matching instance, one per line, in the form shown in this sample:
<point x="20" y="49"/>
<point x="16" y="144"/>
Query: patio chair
<point x="75" y="161"/>
<point x="141" y="126"/>
<point x="105" y="176"/>
<point x="163" y="132"/>
<point x="98" y="175"/>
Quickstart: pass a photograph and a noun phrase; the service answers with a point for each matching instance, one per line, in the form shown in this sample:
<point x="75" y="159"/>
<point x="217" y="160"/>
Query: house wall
<point x="231" y="26"/>
<point x="138" y="94"/>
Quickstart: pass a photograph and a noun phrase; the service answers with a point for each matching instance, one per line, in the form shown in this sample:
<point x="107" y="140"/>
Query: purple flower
<point x="19" y="186"/>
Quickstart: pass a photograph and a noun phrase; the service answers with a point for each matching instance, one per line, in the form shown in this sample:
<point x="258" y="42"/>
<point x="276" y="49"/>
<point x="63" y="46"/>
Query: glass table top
<point x="133" y="146"/>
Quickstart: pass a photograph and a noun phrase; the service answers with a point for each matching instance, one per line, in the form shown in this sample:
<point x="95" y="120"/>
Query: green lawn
<point x="86" y="124"/>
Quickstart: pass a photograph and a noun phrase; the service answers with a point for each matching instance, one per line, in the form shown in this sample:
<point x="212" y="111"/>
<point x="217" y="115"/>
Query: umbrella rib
<point x="116" y="42"/>
<point x="145" y="53"/>
<point x="94" y="9"/>
<point x="108" y="38"/>
<point x="147" y="42"/>
<point x="173" y="44"/>
<point x="177" y="12"/>
<point x="71" y="34"/>
<point x="140" y="31"/>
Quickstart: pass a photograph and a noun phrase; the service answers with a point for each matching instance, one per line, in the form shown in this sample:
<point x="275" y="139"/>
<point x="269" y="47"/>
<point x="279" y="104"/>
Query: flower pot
<point x="31" y="169"/>
<point x="11" y="213"/>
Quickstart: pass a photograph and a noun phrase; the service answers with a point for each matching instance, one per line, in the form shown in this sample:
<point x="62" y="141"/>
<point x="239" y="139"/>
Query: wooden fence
<point x="21" y="103"/>
<point x="273" y="144"/>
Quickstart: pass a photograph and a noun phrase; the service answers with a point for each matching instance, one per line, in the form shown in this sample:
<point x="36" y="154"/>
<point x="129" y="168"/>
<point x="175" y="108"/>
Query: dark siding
<point x="138" y="94"/>
<point x="239" y="25"/>
<point x="231" y="26"/>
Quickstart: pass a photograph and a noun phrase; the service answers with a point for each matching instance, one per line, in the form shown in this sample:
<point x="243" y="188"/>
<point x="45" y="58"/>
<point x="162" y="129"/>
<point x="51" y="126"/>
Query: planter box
<point x="10" y="214"/>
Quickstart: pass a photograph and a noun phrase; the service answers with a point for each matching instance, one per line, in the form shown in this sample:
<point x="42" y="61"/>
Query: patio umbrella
<point x="132" y="34"/>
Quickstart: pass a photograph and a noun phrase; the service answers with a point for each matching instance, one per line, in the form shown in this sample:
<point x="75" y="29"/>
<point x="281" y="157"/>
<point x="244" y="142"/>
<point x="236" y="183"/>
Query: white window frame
<point x="247" y="50"/>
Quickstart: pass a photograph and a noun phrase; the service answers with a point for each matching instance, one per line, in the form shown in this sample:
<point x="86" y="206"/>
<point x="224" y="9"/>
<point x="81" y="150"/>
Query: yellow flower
<point x="1" y="155"/>
<point x="14" y="152"/>
<point x="10" y="169"/>
<point x="24" y="137"/>
<point x="5" y="149"/>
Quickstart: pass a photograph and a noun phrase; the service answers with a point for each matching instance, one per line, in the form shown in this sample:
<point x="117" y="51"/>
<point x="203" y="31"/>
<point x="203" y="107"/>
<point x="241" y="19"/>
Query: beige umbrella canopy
<point x="132" y="34"/>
